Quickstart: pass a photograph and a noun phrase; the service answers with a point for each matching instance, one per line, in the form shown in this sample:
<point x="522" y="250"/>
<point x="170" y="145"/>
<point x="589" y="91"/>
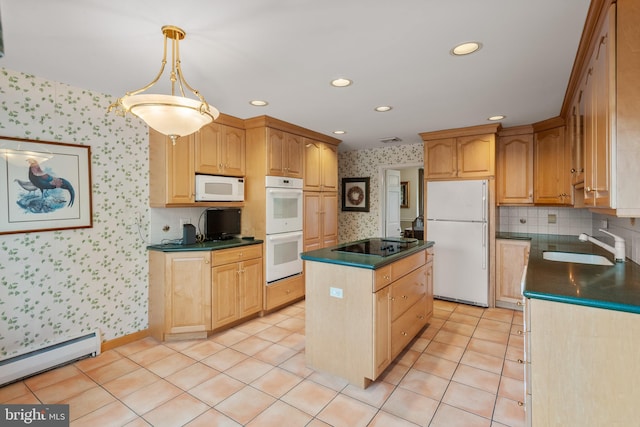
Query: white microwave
<point x="212" y="188"/>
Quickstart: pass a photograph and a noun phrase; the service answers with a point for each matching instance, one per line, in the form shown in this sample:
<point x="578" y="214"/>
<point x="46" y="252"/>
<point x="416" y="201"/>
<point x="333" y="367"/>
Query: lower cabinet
<point x="179" y="295"/>
<point x="358" y="320"/>
<point x="283" y="292"/>
<point x="582" y="365"/>
<point x="512" y="257"/>
<point x="236" y="277"/>
<point x="192" y="293"/>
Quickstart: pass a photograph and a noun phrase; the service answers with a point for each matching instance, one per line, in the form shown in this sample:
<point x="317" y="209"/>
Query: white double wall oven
<point x="283" y="241"/>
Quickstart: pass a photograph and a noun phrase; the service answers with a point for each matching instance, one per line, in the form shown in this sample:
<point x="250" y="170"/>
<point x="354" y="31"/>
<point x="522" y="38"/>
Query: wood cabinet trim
<point x="467" y="131"/>
<point x="271" y="122"/>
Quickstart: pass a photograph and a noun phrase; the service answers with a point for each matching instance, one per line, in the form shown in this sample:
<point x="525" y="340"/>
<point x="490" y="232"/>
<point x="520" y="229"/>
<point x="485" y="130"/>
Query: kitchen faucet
<point x="618" y="251"/>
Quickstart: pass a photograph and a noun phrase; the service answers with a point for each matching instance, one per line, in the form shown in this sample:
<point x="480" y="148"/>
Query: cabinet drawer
<point x="284" y="291"/>
<point x="405" y="327"/>
<point x="225" y="256"/>
<point x="407" y="290"/>
<point x="392" y="272"/>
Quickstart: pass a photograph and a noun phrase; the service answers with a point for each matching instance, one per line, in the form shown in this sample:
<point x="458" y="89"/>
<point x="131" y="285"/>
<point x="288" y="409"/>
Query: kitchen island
<point x="363" y="309"/>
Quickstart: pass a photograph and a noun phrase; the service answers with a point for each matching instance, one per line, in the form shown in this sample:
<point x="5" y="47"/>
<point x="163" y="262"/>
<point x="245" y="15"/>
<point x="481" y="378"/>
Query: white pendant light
<point x="172" y="115"/>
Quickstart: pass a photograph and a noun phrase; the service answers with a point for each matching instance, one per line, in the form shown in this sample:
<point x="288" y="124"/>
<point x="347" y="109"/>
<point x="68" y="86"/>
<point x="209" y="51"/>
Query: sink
<point x="576" y="257"/>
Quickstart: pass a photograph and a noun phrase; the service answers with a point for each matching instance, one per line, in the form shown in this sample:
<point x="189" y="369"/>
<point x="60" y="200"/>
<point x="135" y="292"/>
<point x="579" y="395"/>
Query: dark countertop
<point x="361" y="260"/>
<point x="205" y="246"/>
<point x="615" y="287"/>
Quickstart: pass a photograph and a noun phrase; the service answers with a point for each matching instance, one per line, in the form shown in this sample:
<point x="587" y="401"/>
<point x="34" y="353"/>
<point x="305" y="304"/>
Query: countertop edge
<point x="583" y="302"/>
<point x="202" y="247"/>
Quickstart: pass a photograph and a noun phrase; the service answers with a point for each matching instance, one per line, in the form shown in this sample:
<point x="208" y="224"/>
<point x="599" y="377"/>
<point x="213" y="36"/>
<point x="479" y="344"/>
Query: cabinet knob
<point x="520" y="361"/>
<point x="206" y="261"/>
<point x="519" y="303"/>
<point x="573" y="170"/>
<point x="404" y="297"/>
<point x="420" y="316"/>
<point x="519" y="332"/>
<point x="387" y="277"/>
<point x="392" y="298"/>
<point x="520" y="403"/>
<point x="403" y="333"/>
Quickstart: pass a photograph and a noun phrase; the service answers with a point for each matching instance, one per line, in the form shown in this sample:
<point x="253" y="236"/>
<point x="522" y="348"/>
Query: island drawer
<point x="226" y="256"/>
<point x="405" y="327"/>
<point x="392" y="272"/>
<point x="407" y="290"/>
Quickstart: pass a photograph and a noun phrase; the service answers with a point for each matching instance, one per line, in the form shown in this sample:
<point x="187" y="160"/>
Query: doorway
<point x="411" y="178"/>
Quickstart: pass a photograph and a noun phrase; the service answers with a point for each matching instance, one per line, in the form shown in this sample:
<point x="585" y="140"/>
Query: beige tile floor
<point x="462" y="370"/>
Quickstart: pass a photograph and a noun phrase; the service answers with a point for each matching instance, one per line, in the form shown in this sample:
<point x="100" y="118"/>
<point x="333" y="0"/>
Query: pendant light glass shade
<point x="170" y="115"/>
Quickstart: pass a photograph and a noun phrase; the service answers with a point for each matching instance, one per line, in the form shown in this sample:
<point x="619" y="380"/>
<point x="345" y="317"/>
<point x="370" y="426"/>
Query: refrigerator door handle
<point x="484" y="201"/>
<point x="484" y="245"/>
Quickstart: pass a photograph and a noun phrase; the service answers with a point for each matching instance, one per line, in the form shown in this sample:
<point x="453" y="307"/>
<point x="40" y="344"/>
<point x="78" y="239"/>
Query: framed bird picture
<point x="44" y="186"/>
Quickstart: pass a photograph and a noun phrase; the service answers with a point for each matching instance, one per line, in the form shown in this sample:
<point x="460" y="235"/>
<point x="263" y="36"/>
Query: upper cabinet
<point x="552" y="177"/>
<point x="284" y="154"/>
<point x="514" y="169"/>
<point x="460" y="153"/>
<point x="216" y="149"/>
<point x="220" y="150"/>
<point x="320" y="166"/>
<point x="602" y="107"/>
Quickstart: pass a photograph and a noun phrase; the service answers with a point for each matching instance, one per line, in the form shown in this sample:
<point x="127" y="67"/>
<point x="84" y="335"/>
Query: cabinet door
<point x="511" y="258"/>
<point x="250" y="287"/>
<point x="598" y="138"/>
<point x="233" y="151"/>
<point x="294" y="155"/>
<point x="514" y="176"/>
<point x="551" y="177"/>
<point x="381" y="330"/>
<point x="429" y="290"/>
<point x="180" y="170"/>
<point x="312" y="165"/>
<point x="576" y="137"/>
<point x="225" y="294"/>
<point x="329" y="167"/>
<point x="312" y="226"/>
<point x="208" y="142"/>
<point x="440" y="158"/>
<point x="476" y="156"/>
<point x="188" y="285"/>
<point x="329" y="219"/>
<point x="275" y="152"/>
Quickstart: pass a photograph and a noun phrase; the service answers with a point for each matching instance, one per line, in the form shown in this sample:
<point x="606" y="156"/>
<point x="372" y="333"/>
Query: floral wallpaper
<point x="58" y="284"/>
<point x="368" y="163"/>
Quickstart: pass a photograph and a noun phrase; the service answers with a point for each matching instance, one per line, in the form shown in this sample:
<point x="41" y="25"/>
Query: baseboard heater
<point x="34" y="362"/>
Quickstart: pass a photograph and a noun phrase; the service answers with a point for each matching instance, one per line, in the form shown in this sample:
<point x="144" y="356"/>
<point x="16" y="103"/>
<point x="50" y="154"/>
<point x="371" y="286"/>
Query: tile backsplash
<point x="572" y="222"/>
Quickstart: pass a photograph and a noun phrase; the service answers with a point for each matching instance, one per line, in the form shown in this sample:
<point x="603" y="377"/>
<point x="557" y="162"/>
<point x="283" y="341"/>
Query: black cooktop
<point x="379" y="247"/>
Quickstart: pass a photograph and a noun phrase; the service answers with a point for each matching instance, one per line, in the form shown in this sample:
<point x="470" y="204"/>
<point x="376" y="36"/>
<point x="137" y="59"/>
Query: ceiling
<point x="287" y="51"/>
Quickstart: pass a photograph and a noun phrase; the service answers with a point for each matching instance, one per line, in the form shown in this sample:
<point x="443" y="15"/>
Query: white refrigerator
<point x="457" y="221"/>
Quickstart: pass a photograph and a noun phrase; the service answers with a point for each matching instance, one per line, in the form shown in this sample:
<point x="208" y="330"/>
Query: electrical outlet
<point x="184" y="221"/>
<point x="551" y="218"/>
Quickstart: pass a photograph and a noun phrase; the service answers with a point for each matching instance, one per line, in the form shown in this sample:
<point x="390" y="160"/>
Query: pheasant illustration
<point x="44" y="181"/>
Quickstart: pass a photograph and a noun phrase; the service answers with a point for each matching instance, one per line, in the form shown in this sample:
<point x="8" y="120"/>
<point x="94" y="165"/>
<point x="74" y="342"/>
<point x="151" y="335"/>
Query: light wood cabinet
<point x="220" y="150"/>
<point x="236" y="278"/>
<point x="581" y="365"/>
<point x="320" y="166"/>
<point x="512" y="257"/>
<point x="460" y="153"/>
<point x="179" y="295"/>
<point x="173" y="166"/>
<point x="320" y="224"/>
<point x="514" y="174"/>
<point x="605" y="96"/>
<point x="195" y="292"/>
<point x="598" y="88"/>
<point x="552" y="175"/>
<point x="171" y="170"/>
<point x="284" y="154"/>
<point x="357" y="334"/>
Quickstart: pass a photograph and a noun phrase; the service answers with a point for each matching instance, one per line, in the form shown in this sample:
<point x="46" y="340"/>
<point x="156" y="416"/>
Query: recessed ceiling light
<point x="341" y="82"/>
<point x="258" y="103"/>
<point x="466" y="48"/>
<point x="339" y="132"/>
<point x="383" y="108"/>
<point x="496" y="118"/>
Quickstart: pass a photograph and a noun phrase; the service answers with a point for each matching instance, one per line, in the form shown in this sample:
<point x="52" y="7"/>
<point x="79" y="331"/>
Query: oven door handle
<point x="292" y="193"/>
<point x="285" y="236"/>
